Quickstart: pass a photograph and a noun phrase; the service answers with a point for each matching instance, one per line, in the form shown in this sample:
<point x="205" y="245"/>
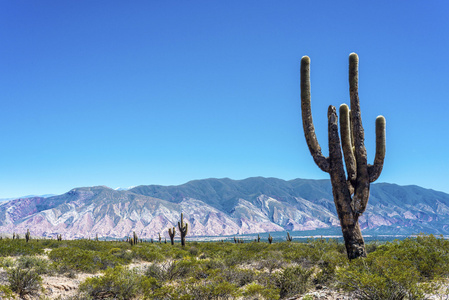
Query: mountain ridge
<point x="218" y="207"/>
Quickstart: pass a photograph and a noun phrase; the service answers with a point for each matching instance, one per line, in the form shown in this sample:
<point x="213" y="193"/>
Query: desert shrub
<point x="6" y="262"/>
<point x="40" y="265"/>
<point x="211" y="291"/>
<point x="381" y="277"/>
<point x="426" y="253"/>
<point x="6" y="292"/>
<point x="256" y="291"/>
<point x="84" y="260"/>
<point x="371" y="246"/>
<point x="9" y="247"/>
<point x="116" y="283"/>
<point x="172" y="270"/>
<point x="193" y="251"/>
<point x="24" y="281"/>
<point x="397" y="270"/>
<point x="293" y="280"/>
<point x="147" y="254"/>
<point x="121" y="253"/>
<point x="270" y="264"/>
<point x="239" y="277"/>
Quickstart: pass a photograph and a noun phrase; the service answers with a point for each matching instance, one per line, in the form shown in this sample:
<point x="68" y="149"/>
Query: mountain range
<point x="221" y="207"/>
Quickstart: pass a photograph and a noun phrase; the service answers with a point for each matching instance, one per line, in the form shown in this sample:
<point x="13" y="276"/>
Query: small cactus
<point x="135" y="238"/>
<point x="28" y="235"/>
<point x="171" y="233"/>
<point x="258" y="238"/>
<point x="160" y="238"/>
<point x="289" y="238"/>
<point x="183" y="229"/>
<point x="270" y="239"/>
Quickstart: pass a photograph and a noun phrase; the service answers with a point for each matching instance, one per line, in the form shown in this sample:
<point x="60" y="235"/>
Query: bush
<point x="255" y="291"/>
<point x="6" y="293"/>
<point x="40" y="265"/>
<point x="381" y="277"/>
<point x="116" y="283"/>
<point x="24" y="281"/>
<point x="19" y="247"/>
<point x="397" y="270"/>
<point x="172" y="270"/>
<point x="293" y="281"/>
<point x="89" y="261"/>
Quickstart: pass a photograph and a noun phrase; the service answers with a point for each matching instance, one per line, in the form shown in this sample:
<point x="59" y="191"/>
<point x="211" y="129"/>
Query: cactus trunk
<point x="183" y="229"/>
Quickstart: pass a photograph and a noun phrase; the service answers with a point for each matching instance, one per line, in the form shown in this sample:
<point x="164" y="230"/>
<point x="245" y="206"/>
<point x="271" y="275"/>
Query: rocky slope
<point x="217" y="207"/>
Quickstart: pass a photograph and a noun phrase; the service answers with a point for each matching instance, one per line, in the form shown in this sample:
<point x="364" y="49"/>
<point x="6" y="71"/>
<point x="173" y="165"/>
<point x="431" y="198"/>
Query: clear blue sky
<point x="124" y="93"/>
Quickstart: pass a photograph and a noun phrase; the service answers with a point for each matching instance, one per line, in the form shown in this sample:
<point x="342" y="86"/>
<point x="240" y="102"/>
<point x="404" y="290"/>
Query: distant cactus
<point x="96" y="237"/>
<point x="165" y="240"/>
<point x="235" y="240"/>
<point x="135" y="238"/>
<point x="160" y="238"/>
<point x="28" y="235"/>
<point x="59" y="237"/>
<point x="270" y="239"/>
<point x="351" y="191"/>
<point x="171" y="233"/>
<point x="289" y="238"/>
<point x="183" y="229"/>
<point x="258" y="238"/>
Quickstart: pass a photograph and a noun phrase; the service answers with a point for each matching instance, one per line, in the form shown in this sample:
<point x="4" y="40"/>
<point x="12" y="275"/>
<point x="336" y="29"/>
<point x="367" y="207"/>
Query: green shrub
<point x="116" y="283"/>
<point x="293" y="281"/>
<point x="211" y="290"/>
<point x="147" y="254"/>
<point x="397" y="270"/>
<point x="256" y="291"/>
<point x="19" y="247"/>
<point x="90" y="261"/>
<point x="381" y="277"/>
<point x="6" y="262"/>
<point x="24" y="281"/>
<point x="172" y="270"/>
<point x="40" y="265"/>
<point x="6" y="292"/>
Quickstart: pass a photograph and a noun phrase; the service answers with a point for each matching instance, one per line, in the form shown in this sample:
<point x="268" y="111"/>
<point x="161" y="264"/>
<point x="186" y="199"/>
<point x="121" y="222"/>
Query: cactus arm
<point x="346" y="142"/>
<point x="307" y="121"/>
<point x="375" y="170"/>
<point x="340" y="189"/>
<point x="361" y="186"/>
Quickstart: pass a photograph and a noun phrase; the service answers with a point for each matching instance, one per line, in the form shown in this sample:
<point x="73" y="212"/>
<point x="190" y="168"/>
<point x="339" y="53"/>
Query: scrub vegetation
<point x="409" y="269"/>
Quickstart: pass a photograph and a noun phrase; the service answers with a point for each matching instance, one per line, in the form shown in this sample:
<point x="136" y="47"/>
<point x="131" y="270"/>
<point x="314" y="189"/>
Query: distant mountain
<point x="28" y="196"/>
<point x="217" y="207"/>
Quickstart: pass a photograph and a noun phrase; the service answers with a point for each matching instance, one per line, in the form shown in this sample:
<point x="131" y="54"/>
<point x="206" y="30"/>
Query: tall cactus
<point x="171" y="233"/>
<point x="350" y="193"/>
<point x="183" y="228"/>
<point x="28" y="235"/>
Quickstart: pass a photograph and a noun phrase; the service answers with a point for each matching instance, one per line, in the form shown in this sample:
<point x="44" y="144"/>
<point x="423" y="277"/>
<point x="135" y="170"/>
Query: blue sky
<point x="162" y="92"/>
